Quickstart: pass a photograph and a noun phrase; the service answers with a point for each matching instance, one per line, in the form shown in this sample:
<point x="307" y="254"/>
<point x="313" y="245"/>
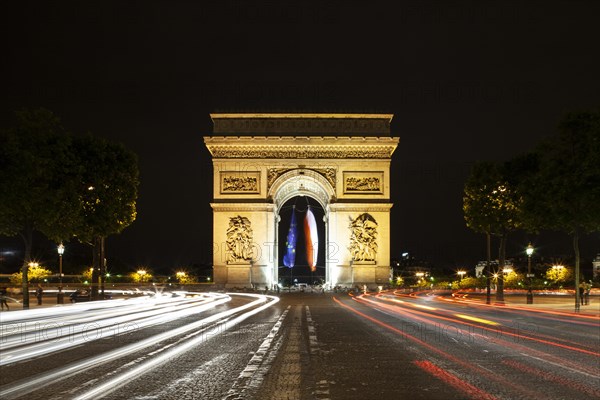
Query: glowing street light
<point x="60" y="298"/>
<point x="529" y="251"/>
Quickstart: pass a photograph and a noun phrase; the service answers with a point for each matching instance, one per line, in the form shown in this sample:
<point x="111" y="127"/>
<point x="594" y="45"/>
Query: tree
<point x="36" y="194"/>
<point x="35" y="272"/>
<point x="563" y="192"/>
<point x="491" y="205"/>
<point x="108" y="189"/>
<point x="63" y="186"/>
<point x="558" y="274"/>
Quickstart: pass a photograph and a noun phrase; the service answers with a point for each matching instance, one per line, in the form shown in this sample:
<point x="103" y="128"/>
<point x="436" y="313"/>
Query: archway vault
<point x="301" y="182"/>
<point x="344" y="166"/>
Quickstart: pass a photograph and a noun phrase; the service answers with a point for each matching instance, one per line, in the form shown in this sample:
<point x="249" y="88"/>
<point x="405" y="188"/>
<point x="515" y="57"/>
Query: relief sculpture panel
<point x="363" y="182"/>
<point x="236" y="182"/>
<point x="239" y="240"/>
<point x="363" y="238"/>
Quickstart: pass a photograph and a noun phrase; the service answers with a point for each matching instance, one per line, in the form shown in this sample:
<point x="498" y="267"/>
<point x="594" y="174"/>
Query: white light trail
<point x="112" y="384"/>
<point x="76" y="336"/>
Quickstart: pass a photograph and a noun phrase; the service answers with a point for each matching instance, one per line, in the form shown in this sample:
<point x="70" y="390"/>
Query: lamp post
<point x="60" y="298"/>
<point x="461" y="273"/>
<point x="529" y="251"/>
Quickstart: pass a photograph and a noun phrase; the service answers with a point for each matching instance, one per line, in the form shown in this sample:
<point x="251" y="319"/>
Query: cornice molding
<point x="302" y="123"/>
<point x="249" y="207"/>
<point x="299" y="147"/>
<point x="361" y="207"/>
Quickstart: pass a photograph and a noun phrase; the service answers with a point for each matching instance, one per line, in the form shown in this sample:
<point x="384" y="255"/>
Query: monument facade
<point x="260" y="161"/>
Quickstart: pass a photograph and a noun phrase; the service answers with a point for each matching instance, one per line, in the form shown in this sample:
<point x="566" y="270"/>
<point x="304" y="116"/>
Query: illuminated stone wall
<point x="346" y="170"/>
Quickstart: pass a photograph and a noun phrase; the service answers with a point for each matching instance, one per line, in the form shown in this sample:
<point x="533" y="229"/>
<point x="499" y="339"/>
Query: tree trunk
<point x="102" y="267"/>
<point x="576" y="248"/>
<point x="27" y="236"/>
<point x="97" y="261"/>
<point x="501" y="262"/>
<point x="488" y="272"/>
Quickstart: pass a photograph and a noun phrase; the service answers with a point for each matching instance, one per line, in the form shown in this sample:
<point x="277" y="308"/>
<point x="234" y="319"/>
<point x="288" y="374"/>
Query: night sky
<point x="466" y="81"/>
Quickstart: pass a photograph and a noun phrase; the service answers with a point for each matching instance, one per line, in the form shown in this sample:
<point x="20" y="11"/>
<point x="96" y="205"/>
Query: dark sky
<point x="465" y="80"/>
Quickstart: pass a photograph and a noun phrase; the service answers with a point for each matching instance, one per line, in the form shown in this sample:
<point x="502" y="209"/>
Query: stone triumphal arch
<point x="260" y="161"/>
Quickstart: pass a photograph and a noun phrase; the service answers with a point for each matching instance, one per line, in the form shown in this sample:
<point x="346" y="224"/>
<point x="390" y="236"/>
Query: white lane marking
<point x="247" y="377"/>
<point x="322" y="387"/>
<point x="312" y="335"/>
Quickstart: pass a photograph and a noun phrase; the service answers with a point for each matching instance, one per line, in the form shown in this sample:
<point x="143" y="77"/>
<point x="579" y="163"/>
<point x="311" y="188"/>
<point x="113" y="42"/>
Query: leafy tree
<point x="108" y="189"/>
<point x="63" y="186"/>
<point x="558" y="274"/>
<point x="87" y="274"/>
<point x="492" y="206"/>
<point x="141" y="276"/>
<point x="512" y="278"/>
<point x="468" y="282"/>
<point x="36" y="184"/>
<point x="562" y="192"/>
<point x="35" y="273"/>
<point x="185" y="278"/>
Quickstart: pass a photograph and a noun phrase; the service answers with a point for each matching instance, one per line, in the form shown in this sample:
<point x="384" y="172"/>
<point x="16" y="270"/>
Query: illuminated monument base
<point x="260" y="161"/>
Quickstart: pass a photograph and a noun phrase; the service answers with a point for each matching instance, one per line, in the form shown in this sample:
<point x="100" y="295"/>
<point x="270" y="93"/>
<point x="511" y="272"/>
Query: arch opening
<point x="301" y="272"/>
<point x="302" y="187"/>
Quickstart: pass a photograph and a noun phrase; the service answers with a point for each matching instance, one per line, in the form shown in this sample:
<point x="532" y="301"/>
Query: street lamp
<point x="529" y="251"/>
<point x="461" y="273"/>
<point x="60" y="299"/>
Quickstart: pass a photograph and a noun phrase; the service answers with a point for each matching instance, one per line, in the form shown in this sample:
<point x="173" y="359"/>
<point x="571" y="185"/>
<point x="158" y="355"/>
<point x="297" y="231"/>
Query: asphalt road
<point x="310" y="346"/>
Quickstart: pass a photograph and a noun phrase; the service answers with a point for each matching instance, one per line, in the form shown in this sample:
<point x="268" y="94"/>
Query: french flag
<point x="312" y="239"/>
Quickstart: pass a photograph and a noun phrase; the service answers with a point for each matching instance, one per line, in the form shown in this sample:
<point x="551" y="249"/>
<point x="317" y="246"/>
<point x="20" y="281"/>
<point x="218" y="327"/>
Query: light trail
<point x="109" y="386"/>
<point x="95" y="331"/>
<point x="574" y="367"/>
<point x="476" y="369"/>
<point x="55" y="329"/>
<point x="576" y="318"/>
<point x="426" y="318"/>
<point x="475" y="319"/>
<point x="549" y="377"/>
<point x="454" y="381"/>
<point x="209" y="323"/>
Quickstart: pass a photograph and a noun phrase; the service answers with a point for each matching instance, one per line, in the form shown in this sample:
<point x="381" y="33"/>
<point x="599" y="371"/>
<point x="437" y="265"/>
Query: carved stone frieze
<point x="363" y="238"/>
<point x="239" y="240"/>
<point x="240" y="184"/>
<point x="366" y="184"/>
<point x="292" y="152"/>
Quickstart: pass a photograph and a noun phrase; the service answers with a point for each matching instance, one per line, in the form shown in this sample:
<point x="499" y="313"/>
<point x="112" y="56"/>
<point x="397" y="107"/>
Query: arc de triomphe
<point x="260" y="161"/>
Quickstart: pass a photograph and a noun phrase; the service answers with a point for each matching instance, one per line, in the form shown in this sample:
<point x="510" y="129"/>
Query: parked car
<point x="80" y="295"/>
<point x="86" y="295"/>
